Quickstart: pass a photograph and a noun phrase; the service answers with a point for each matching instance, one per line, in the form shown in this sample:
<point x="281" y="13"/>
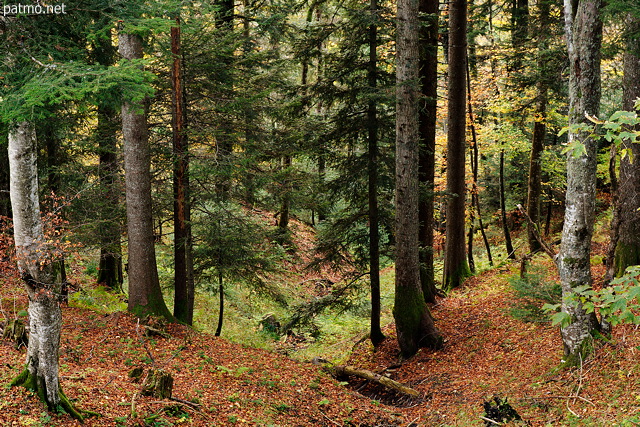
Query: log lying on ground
<point x="346" y="370"/>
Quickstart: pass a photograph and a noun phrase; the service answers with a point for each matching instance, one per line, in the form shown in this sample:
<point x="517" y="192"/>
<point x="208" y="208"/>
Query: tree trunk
<point x="283" y="223"/>
<point x="110" y="268"/>
<point x="110" y="228"/>
<point x="428" y="110"/>
<point x="375" y="334"/>
<point x="221" y="310"/>
<point x="414" y="325"/>
<point x="456" y="267"/>
<point x="534" y="185"/>
<point x="145" y="296"/>
<point x="5" y="200"/>
<point x="184" y="287"/>
<point x="584" y="36"/>
<point x="41" y="276"/>
<point x="503" y="210"/>
<point x="627" y="216"/>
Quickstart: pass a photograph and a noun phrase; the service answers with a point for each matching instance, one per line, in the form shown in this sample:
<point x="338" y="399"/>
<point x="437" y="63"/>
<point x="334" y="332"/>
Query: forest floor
<point x="487" y="353"/>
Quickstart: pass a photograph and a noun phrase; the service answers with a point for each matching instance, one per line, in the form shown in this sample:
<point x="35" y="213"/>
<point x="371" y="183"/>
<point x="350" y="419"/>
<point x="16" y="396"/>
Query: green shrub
<point x="532" y="293"/>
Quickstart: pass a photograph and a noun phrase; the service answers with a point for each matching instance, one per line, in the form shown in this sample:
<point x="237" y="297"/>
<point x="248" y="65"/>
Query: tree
<point x="534" y="186"/>
<point x="427" y="159"/>
<point x="583" y="29"/>
<point x="145" y="296"/>
<point x="414" y="325"/>
<point x="183" y="263"/>
<point x="456" y="267"/>
<point x="40" y="271"/>
<point x="376" y="334"/>
<point x="110" y="228"/>
<point x="625" y="226"/>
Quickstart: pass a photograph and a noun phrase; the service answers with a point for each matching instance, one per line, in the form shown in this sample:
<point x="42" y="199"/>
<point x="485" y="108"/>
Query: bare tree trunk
<point x="414" y="325"/>
<point x="184" y="287"/>
<point x="503" y="210"/>
<point x="40" y="273"/>
<point x="534" y="187"/>
<point x="145" y="296"/>
<point x="583" y="29"/>
<point x="626" y="222"/>
<point x="456" y="267"/>
<point x="110" y="267"/>
<point x="375" y="334"/>
<point x="428" y="110"/>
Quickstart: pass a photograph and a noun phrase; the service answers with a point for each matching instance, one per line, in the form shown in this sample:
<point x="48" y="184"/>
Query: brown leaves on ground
<point x="216" y="383"/>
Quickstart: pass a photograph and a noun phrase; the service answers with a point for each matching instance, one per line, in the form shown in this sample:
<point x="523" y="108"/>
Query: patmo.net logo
<point x="33" y="9"/>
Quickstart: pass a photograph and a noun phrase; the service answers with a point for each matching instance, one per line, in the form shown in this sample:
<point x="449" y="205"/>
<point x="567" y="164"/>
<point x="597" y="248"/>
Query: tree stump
<point x="16" y="331"/>
<point x="158" y="383"/>
<point x="136" y="374"/>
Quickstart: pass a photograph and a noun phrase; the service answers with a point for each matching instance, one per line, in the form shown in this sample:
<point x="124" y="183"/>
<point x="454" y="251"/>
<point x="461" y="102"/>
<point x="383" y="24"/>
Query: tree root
<point x="28" y="381"/>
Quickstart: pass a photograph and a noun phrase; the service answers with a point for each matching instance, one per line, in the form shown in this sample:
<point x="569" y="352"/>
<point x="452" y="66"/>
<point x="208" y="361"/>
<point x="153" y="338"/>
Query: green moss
<point x="625" y="255"/>
<point x="457" y="277"/>
<point x="155" y="307"/>
<point x="30" y="382"/>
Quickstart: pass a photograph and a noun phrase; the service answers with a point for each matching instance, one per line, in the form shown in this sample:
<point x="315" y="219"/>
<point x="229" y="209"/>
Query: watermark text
<point x="33" y="9"/>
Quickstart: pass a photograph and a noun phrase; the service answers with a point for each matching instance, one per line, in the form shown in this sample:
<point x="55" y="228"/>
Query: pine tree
<point x="414" y="325"/>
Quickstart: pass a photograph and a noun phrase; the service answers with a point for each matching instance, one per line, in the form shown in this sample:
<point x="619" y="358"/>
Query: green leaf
<point x="561" y="318"/>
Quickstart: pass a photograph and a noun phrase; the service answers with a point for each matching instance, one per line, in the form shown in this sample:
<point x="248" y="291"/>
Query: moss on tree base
<point x="30" y="382"/>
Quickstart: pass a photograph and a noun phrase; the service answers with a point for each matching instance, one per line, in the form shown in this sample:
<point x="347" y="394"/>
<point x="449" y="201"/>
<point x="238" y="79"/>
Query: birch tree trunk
<point x="40" y="272"/>
<point x="145" y="296"/>
<point x="583" y="29"/>
<point x="414" y="325"/>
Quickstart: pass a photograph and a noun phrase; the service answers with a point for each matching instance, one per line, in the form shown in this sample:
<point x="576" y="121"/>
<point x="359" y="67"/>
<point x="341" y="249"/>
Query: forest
<point x="292" y="213"/>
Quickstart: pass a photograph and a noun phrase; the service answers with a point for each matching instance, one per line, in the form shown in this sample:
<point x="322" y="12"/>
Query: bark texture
<point x="41" y="273"/>
<point x="414" y="324"/>
<point x="627" y="243"/>
<point x="183" y="268"/>
<point x="428" y="110"/>
<point x="145" y="296"/>
<point x="583" y="29"/>
<point x="456" y="267"/>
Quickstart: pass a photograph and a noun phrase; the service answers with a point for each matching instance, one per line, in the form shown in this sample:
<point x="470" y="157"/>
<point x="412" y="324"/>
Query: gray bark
<point x="35" y="264"/>
<point x="584" y="36"/>
<point x="145" y="296"/>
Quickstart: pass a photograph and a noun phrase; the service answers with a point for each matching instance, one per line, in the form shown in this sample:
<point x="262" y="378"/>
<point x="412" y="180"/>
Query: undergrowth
<point x="532" y="292"/>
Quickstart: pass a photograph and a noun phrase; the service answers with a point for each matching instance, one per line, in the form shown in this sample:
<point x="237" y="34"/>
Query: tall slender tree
<point x="145" y="296"/>
<point x="414" y="325"/>
<point x="110" y="227"/>
<point x="456" y="267"/>
<point x="583" y="29"/>
<point x="183" y="261"/>
<point x="534" y="185"/>
<point x="376" y="334"/>
<point x="427" y="161"/>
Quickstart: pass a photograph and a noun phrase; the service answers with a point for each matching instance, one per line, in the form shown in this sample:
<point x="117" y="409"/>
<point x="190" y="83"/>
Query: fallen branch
<point x="489" y="420"/>
<point x="346" y="370"/>
<point x="534" y="228"/>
